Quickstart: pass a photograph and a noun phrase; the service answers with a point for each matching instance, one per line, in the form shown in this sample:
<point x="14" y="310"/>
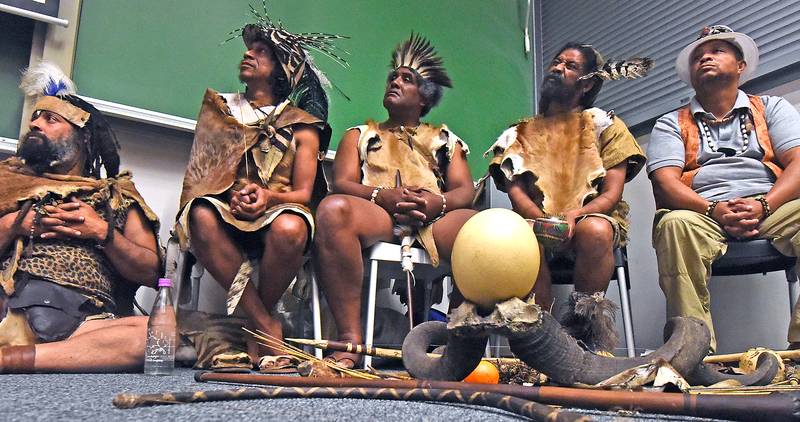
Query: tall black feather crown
<point x="418" y="54"/>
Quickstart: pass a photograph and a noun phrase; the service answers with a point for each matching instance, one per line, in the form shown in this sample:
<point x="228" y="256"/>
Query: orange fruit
<point x="485" y="373"/>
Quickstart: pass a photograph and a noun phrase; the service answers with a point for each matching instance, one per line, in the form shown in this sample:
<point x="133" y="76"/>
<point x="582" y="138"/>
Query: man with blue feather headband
<point x="74" y="245"/>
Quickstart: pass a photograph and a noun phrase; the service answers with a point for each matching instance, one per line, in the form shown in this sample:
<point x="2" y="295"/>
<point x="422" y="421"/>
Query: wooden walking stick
<point x="363" y="349"/>
<point x="522" y="407"/>
<point x="405" y="258"/>
<point x="735" y="357"/>
<point x="781" y="407"/>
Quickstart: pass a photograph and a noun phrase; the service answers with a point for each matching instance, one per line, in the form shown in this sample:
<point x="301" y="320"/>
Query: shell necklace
<point x="745" y="125"/>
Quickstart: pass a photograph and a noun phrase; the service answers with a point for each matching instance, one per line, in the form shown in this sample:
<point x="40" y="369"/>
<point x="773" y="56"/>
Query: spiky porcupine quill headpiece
<point x="632" y="68"/>
<point x="292" y="53"/>
<point x="418" y="54"/>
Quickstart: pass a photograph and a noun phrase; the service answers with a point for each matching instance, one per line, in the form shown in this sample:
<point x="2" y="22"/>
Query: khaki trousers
<point x="686" y="244"/>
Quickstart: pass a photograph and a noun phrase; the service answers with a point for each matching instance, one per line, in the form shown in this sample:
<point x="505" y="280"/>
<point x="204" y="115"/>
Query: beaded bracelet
<point x="444" y="204"/>
<point x="764" y="205"/>
<point x="375" y="193"/>
<point x="710" y="209"/>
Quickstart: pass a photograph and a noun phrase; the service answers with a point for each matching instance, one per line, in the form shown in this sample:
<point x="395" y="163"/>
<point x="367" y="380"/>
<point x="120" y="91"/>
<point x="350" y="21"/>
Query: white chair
<point x="384" y="259"/>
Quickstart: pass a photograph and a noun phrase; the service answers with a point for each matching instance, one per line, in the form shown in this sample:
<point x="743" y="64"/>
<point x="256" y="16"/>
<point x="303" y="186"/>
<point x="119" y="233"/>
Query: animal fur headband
<point x="48" y="86"/>
<point x="291" y="49"/>
<point x="416" y="53"/>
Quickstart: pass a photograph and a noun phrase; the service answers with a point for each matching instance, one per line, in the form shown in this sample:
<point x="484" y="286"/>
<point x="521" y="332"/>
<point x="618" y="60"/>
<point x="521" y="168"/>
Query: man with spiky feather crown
<point x="252" y="175"/>
<point x="567" y="167"/>
<point x="74" y="246"/>
<point x="432" y="200"/>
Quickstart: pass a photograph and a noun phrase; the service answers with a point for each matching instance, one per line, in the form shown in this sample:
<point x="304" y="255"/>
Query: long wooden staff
<point x="522" y="407"/>
<point x="405" y="257"/>
<point x="781" y="407"/>
<point x="734" y="357"/>
<point x="363" y="349"/>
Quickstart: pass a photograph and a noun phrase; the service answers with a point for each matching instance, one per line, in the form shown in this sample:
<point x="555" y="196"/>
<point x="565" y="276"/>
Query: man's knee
<point x="675" y="218"/>
<point x="678" y="223"/>
<point x="594" y="231"/>
<point x="202" y="215"/>
<point x="289" y="231"/>
<point x="334" y="212"/>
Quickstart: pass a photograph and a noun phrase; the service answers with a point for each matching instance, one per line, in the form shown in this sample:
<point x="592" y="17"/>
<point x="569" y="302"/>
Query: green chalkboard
<point x="162" y="55"/>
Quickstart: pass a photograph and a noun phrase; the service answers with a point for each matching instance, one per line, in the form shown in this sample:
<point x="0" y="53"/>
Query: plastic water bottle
<point x="162" y="330"/>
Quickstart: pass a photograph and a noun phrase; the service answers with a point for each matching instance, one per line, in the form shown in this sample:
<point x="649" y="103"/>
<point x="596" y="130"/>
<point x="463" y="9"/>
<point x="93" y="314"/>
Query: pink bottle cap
<point x="164" y="282"/>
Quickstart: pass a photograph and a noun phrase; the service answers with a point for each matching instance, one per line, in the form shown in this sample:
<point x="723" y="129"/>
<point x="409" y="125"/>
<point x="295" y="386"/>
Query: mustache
<point x="37" y="135"/>
<point x="554" y="77"/>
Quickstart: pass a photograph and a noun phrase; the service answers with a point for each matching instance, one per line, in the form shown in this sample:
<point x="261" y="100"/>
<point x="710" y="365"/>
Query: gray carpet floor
<point x="83" y="397"/>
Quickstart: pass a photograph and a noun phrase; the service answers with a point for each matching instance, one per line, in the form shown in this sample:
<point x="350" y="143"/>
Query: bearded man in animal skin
<point x="571" y="161"/>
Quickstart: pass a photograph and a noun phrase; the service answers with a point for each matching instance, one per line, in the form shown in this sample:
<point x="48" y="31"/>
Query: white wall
<point x="157" y="158"/>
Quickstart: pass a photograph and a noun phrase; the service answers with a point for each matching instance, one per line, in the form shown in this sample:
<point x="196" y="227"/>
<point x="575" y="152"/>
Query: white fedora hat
<point x="744" y="43"/>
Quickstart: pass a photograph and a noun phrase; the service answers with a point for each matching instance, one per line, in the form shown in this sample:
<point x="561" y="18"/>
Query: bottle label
<point x="160" y="345"/>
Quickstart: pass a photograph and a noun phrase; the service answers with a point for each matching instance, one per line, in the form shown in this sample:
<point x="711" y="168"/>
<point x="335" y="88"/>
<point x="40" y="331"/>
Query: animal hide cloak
<point x="421" y="154"/>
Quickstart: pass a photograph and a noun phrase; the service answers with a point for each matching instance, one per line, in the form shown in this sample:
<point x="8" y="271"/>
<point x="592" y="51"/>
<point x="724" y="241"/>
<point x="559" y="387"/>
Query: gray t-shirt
<point x="724" y="176"/>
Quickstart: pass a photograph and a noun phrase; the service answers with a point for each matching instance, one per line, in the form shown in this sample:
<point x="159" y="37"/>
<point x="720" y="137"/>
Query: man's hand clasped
<point x="410" y="205"/>
<point x="739" y="217"/>
<point x="73" y="218"/>
<point x="250" y="202"/>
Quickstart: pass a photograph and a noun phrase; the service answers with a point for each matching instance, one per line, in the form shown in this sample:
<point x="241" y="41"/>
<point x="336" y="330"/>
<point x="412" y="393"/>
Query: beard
<point x="555" y="90"/>
<point x="41" y="154"/>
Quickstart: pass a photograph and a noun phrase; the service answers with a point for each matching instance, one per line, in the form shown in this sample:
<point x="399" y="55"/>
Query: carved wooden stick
<point x="734" y="357"/>
<point x="522" y="407"/>
<point x="781" y="407"/>
<point x="363" y="349"/>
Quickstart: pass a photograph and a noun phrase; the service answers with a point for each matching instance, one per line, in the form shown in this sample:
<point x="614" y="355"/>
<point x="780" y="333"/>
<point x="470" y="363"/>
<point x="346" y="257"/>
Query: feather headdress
<point x="418" y="54"/>
<point x="632" y="68"/>
<point x="292" y="53"/>
<point x="45" y="78"/>
<point x="47" y="85"/>
<point x="291" y="49"/>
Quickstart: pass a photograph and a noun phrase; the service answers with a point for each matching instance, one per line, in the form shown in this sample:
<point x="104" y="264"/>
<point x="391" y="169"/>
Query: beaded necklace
<point x="745" y="125"/>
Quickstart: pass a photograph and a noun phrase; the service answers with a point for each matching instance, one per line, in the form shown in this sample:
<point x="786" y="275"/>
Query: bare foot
<point x="345" y="360"/>
<point x="272" y="330"/>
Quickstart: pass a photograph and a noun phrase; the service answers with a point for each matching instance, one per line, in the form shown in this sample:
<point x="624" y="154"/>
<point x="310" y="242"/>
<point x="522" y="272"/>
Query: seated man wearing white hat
<point x="723" y="167"/>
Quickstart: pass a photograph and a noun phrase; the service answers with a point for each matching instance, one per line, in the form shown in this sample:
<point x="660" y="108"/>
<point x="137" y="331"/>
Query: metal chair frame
<point x="561" y="273"/>
<point x="383" y="259"/>
<point x="757" y="256"/>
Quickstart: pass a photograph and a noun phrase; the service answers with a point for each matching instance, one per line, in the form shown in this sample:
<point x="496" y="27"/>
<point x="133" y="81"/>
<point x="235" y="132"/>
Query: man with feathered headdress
<point x="433" y="198"/>
<point x="252" y="174"/>
<point x="74" y="246"/>
<point x="725" y="166"/>
<point x="570" y="163"/>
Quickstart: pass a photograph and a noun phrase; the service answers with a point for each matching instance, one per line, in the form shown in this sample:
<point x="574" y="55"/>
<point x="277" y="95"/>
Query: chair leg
<point x="625" y="304"/>
<point x="197" y="274"/>
<point x="791" y="278"/>
<point x="316" y="313"/>
<point x="371" y="295"/>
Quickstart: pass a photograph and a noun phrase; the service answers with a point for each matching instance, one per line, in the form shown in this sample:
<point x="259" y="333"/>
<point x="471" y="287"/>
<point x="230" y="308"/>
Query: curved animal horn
<point x="554" y="353"/>
<point x="459" y="358"/>
<point x="766" y="369"/>
<point x="538" y="339"/>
